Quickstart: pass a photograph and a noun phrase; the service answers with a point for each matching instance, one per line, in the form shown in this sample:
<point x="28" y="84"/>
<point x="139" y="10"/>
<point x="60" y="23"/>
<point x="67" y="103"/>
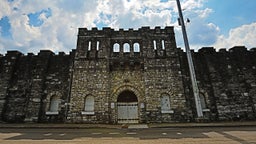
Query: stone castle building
<point x="127" y="76"/>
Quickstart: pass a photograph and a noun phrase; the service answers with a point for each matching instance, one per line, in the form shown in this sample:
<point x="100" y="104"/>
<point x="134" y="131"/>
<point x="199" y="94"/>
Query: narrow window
<point x="89" y="45"/>
<point x="116" y="47"/>
<point x="154" y="43"/>
<point x="126" y="47"/>
<point x="136" y="47"/>
<point x="165" y="104"/>
<point x="97" y="45"/>
<point x="89" y="104"/>
<point x="163" y="46"/>
<point x="54" y="104"/>
<point x="202" y="100"/>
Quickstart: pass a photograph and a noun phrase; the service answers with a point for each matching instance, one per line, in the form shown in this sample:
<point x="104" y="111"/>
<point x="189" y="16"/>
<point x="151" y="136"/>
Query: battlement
<point x="203" y="50"/>
<point x="95" y="31"/>
<point x="42" y="53"/>
<point x="235" y="49"/>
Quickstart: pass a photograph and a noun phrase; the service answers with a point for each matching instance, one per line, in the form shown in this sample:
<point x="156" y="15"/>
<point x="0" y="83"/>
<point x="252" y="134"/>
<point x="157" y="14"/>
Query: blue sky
<point x="30" y="26"/>
<point x="232" y="13"/>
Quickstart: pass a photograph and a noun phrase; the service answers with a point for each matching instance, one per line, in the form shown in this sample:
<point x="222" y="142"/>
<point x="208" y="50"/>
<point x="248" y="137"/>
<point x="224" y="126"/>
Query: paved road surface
<point x="225" y="135"/>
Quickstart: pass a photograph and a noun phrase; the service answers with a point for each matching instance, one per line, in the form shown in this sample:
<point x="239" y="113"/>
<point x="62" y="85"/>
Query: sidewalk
<point x="212" y="124"/>
<point x="119" y="126"/>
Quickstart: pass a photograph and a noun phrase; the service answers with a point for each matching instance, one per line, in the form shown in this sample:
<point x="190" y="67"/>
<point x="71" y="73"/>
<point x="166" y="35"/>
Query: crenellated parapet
<point x="135" y="47"/>
<point x="235" y="49"/>
<point x="42" y="53"/>
<point x="239" y="56"/>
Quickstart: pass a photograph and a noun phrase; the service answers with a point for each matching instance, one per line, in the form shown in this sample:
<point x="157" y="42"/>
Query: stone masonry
<point x="127" y="76"/>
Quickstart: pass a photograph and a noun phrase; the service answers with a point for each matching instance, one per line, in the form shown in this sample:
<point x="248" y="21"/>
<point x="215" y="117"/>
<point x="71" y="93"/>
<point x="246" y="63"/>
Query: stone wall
<point x="90" y="78"/>
<point x="27" y="82"/>
<point x="228" y="78"/>
<point x="150" y="67"/>
<point x="7" y="69"/>
<point x="227" y="81"/>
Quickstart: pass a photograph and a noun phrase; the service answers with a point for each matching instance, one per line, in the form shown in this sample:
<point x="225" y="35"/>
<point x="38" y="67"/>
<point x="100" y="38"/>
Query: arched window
<point x="202" y="100"/>
<point x="97" y="45"/>
<point x="154" y="44"/>
<point x="116" y="47"/>
<point x="89" y="45"/>
<point x="165" y="104"/>
<point x="126" y="47"/>
<point x="136" y="47"/>
<point x="89" y="104"/>
<point x="163" y="44"/>
<point x="54" y="104"/>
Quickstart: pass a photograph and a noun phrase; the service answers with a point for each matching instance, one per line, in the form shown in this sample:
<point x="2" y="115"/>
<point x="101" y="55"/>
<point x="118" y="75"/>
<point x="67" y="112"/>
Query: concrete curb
<point x="191" y="125"/>
<point x="110" y="126"/>
<point x="57" y="126"/>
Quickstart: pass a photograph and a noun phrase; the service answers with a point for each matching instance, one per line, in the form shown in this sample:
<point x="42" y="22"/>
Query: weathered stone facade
<point x="28" y="81"/>
<point x="136" y="76"/>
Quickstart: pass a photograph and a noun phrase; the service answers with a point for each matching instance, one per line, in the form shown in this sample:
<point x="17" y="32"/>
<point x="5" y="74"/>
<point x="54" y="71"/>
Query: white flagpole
<point x="190" y="63"/>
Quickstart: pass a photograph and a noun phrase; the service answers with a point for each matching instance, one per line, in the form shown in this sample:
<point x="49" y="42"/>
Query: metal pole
<point x="190" y="63"/>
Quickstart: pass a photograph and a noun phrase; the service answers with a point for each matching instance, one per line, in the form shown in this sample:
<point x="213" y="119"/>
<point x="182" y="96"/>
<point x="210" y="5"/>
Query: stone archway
<point x="127" y="107"/>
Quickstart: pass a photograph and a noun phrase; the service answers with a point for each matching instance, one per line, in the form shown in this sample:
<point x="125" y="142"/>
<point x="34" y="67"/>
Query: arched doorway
<point x="127" y="107"/>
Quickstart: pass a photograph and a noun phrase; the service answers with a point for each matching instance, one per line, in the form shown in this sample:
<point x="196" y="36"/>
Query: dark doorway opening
<point x="127" y="96"/>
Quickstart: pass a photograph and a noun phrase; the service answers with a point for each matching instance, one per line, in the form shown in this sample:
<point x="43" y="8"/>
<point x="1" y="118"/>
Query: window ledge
<point x="87" y="112"/>
<point x="206" y="110"/>
<point x="51" y="113"/>
<point x="167" y="111"/>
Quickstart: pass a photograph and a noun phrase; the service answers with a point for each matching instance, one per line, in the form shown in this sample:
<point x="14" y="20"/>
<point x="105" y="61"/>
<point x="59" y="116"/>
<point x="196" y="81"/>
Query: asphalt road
<point x="196" y="135"/>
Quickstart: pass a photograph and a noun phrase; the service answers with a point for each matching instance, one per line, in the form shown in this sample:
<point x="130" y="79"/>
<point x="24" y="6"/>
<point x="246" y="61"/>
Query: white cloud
<point x="58" y="32"/>
<point x="134" y="14"/>
<point x="201" y="33"/>
<point x="204" y="13"/>
<point x="5" y="8"/>
<point x="191" y="4"/>
<point x="241" y="36"/>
